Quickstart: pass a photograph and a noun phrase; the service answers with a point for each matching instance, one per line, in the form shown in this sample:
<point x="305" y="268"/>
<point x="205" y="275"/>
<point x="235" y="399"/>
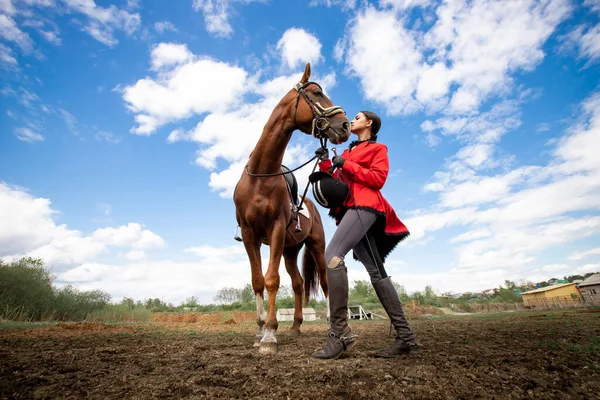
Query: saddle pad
<point x="304" y="210"/>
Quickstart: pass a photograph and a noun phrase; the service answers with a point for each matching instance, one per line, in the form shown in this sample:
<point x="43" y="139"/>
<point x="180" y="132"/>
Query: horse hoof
<point x="293" y="333"/>
<point x="256" y="343"/>
<point x="268" y="348"/>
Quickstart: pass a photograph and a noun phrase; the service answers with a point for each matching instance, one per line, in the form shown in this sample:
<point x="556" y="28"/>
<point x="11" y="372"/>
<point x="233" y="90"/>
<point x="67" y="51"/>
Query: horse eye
<point x="318" y="93"/>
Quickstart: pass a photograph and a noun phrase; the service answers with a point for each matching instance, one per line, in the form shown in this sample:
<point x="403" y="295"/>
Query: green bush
<point x="27" y="294"/>
<point x="119" y="313"/>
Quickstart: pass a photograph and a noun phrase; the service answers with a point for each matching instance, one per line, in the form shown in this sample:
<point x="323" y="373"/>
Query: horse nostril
<point x="346" y="126"/>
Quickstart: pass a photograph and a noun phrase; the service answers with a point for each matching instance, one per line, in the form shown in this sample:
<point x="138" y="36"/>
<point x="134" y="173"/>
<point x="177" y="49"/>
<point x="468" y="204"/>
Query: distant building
<point x="590" y="289"/>
<point x="287" y="314"/>
<point x="559" y="295"/>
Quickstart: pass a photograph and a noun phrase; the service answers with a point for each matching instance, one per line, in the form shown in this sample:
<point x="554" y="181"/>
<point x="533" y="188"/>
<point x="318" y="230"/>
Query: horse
<point x="264" y="208"/>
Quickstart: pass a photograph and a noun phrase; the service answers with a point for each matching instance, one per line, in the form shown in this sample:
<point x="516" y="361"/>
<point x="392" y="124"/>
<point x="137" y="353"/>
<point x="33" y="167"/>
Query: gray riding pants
<point x="351" y="235"/>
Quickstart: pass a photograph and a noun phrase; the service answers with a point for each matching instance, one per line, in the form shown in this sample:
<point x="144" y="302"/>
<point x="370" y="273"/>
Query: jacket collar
<point x="357" y="143"/>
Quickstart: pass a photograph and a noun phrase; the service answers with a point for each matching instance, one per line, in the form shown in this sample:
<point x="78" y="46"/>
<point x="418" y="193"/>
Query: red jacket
<point x="365" y="171"/>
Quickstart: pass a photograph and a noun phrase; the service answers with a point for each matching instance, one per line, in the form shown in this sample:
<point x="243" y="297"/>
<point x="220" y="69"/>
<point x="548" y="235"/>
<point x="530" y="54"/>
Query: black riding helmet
<point x="328" y="191"/>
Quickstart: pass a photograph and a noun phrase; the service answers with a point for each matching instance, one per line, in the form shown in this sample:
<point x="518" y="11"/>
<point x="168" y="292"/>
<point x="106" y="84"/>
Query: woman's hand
<point x="322" y="153"/>
<point x="338" y="161"/>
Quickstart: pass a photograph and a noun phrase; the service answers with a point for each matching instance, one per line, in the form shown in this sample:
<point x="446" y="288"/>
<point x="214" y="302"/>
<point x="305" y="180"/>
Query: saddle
<point x="292" y="186"/>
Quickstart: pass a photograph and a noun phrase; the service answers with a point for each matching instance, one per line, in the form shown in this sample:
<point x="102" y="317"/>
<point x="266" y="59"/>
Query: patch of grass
<point x="547" y="345"/>
<point x="120" y="313"/>
<point x="553" y="332"/>
<point x="20" y="326"/>
<point x="228" y="333"/>
<point x="574" y="347"/>
<point x="593" y="346"/>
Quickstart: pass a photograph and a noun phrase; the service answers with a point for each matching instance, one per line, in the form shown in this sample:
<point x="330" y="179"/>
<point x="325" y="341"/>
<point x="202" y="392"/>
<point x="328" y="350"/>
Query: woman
<point x="368" y="225"/>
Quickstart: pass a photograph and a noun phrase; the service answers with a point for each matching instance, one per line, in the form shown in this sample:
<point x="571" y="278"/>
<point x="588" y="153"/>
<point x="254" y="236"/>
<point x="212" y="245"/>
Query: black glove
<point x="338" y="161"/>
<point x="322" y="153"/>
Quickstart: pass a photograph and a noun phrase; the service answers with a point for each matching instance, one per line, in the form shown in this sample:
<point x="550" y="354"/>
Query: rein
<point x="320" y="123"/>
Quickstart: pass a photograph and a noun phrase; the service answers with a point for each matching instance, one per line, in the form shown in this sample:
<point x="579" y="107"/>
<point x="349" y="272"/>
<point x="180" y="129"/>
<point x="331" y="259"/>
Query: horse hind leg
<point x="290" y="255"/>
<point x="315" y="243"/>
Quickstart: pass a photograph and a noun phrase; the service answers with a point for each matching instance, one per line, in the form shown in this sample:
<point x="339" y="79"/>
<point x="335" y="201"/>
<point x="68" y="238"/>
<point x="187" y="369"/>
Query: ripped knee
<point x="335" y="262"/>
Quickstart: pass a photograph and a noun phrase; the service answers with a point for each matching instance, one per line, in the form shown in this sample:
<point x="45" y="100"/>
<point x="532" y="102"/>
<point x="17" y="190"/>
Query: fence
<point x="554" y="302"/>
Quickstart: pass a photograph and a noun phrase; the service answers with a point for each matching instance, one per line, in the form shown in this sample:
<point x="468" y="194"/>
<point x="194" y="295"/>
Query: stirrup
<point x="236" y="236"/>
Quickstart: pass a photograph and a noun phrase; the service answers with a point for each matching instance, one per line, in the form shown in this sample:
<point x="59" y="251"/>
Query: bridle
<point x="321" y="115"/>
<point x="320" y="123"/>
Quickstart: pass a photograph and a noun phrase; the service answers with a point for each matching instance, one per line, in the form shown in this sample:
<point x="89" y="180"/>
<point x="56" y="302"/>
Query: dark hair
<point x="376" y="124"/>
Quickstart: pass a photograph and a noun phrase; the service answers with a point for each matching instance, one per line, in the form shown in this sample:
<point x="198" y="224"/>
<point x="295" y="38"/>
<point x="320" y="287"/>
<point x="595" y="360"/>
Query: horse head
<point x="315" y="114"/>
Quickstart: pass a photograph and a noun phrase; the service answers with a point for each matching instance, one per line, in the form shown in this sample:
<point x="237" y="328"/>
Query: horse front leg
<point x="268" y="344"/>
<point x="258" y="281"/>
<point x="290" y="255"/>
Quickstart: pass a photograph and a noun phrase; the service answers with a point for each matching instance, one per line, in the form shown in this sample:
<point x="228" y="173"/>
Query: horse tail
<point x="310" y="274"/>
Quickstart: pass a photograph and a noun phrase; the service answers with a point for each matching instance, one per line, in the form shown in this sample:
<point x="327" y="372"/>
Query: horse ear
<point x="306" y="75"/>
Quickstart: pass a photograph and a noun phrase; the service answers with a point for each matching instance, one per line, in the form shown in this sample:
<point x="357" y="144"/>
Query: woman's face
<point x="359" y="123"/>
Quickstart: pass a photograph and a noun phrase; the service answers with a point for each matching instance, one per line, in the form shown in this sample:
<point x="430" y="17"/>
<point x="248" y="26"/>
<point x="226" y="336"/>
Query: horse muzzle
<point x="339" y="131"/>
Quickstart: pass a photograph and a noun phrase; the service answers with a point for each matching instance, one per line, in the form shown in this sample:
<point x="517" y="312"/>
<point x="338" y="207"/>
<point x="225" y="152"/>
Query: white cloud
<point x="472" y="46"/>
<point x="180" y="90"/>
<point x="583" y="254"/>
<point x="593" y="5"/>
<point x="298" y="47"/>
<point x="217" y="14"/>
<point x="51" y="36"/>
<point x="405" y="4"/>
<point x="102" y="21"/>
<point x="7" y="56"/>
<point x="205" y="251"/>
<point x="9" y="31"/>
<point x="585" y="39"/>
<point x="29" y="229"/>
<point x="471" y="235"/>
<point x="131" y="235"/>
<point x="232" y="126"/>
<point x="135" y="255"/>
<point x="7" y="7"/>
<point x="384" y="55"/>
<point x="163" y="26"/>
<point x="523" y="211"/>
<point x="26" y="134"/>
<point x="345" y="4"/>
<point x="169" y="280"/>
<point x="169" y="54"/>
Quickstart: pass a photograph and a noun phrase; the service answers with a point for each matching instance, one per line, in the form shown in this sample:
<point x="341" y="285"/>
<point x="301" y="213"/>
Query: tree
<point x="401" y="292"/>
<point x="509" y="284"/>
<point x="191" y="302"/>
<point x="128" y="302"/>
<point x="247" y="294"/>
<point x="362" y="290"/>
<point x="228" y="295"/>
<point x="285" y="291"/>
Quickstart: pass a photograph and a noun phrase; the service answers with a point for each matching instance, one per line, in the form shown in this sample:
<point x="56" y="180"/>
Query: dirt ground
<point x="511" y="356"/>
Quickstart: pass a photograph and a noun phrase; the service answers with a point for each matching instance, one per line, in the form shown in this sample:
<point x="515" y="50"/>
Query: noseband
<point x="320" y="124"/>
<point x="321" y="115"/>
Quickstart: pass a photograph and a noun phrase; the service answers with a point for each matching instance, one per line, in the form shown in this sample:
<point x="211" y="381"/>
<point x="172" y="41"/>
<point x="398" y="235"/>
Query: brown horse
<point x="263" y="209"/>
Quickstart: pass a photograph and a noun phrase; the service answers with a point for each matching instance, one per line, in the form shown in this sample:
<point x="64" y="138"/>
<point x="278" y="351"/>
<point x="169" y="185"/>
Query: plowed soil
<point x="530" y="355"/>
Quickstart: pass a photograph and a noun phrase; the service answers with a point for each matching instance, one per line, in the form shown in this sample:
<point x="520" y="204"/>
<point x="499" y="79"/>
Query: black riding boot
<point x="339" y="336"/>
<point x="406" y="341"/>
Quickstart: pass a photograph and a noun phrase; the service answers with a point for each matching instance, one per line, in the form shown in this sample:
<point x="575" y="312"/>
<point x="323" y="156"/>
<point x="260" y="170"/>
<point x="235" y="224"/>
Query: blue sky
<point x="125" y="126"/>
